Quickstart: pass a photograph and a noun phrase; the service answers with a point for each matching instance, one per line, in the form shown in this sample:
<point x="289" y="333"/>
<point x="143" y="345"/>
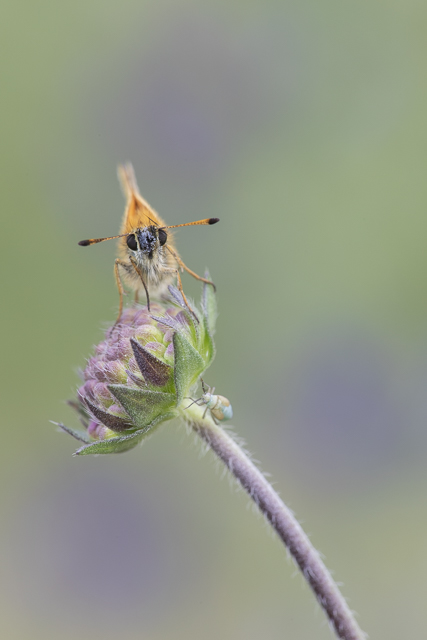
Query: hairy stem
<point x="283" y="522"/>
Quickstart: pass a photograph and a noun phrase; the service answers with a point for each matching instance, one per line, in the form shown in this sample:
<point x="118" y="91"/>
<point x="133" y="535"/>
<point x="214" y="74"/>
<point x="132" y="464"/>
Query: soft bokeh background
<point x="302" y="125"/>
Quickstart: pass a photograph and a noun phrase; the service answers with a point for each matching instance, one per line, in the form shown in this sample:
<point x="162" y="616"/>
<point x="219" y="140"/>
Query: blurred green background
<point x="302" y="125"/>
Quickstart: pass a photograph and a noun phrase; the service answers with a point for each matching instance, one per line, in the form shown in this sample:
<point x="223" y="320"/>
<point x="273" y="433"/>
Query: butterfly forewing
<point x="138" y="213"/>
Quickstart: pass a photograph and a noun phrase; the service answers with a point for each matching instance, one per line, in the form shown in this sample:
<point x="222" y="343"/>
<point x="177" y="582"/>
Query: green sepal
<point x="191" y="329"/>
<point x="122" y="443"/>
<point x="206" y="344"/>
<point x="142" y="405"/>
<point x="189" y="365"/>
<point x="76" y="433"/>
<point x="210" y="313"/>
<point x="111" y="445"/>
<point x="209" y="306"/>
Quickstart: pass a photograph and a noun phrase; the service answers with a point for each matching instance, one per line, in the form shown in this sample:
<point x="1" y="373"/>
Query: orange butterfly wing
<point x="138" y="213"/>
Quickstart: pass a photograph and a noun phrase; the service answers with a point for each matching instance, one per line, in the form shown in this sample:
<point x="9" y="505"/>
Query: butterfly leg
<point x="192" y="273"/>
<point x="138" y="271"/>
<point x="179" y="283"/>
<point x="119" y="284"/>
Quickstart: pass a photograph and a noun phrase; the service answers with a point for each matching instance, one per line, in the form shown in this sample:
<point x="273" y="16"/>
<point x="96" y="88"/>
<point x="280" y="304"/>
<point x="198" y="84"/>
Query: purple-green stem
<point x="282" y="520"/>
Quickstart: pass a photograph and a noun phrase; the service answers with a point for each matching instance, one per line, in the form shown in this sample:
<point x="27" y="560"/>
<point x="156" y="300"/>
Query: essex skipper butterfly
<point x="147" y="258"/>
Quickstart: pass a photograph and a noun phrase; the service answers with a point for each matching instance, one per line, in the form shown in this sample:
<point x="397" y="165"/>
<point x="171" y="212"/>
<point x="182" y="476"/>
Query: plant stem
<point x="283" y="522"/>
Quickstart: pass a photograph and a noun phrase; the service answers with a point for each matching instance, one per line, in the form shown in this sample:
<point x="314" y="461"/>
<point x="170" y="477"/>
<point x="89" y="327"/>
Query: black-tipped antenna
<point x="190" y="224"/>
<point x="87" y="243"/>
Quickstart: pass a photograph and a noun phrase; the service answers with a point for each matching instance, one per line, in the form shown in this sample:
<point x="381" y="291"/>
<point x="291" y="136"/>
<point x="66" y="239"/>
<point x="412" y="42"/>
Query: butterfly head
<point x="146" y="240"/>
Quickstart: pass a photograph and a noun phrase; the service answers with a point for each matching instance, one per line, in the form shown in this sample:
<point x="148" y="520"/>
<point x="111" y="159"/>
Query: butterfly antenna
<point x="87" y="243"/>
<point x="190" y="224"/>
<point x="153" y="222"/>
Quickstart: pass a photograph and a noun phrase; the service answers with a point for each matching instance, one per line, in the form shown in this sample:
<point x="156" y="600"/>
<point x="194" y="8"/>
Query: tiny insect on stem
<point x="220" y="407"/>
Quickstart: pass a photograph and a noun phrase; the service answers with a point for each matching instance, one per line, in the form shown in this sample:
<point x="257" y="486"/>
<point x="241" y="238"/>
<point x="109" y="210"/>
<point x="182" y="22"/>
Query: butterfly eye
<point x="131" y="242"/>
<point x="163" y="236"/>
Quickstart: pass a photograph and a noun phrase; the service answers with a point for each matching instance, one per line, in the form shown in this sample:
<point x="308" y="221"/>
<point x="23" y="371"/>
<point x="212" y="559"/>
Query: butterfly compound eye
<point x="131" y="242"/>
<point x="163" y="236"/>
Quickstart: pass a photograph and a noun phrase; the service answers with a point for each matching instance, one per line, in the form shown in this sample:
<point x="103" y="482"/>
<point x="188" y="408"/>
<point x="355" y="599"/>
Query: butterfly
<point x="147" y="258"/>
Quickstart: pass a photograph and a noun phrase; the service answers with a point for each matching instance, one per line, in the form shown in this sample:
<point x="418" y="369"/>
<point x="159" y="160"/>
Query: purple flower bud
<point x="103" y="433"/>
<point x="156" y="348"/>
<point x="86" y="391"/>
<point x="148" y="333"/>
<point x="100" y="371"/>
<point x="142" y="316"/>
<point x="168" y="355"/>
<point x="89" y="372"/>
<point x="116" y="372"/>
<point x="92" y="429"/>
<point x="100" y="348"/>
<point x="128" y="316"/>
<point x="118" y="411"/>
<point x="99" y="431"/>
<point x="142" y="372"/>
<point x="112" y="352"/>
<point x="132" y="366"/>
<point x="168" y="335"/>
<point x="124" y="348"/>
<point x="182" y="318"/>
<point x="101" y="394"/>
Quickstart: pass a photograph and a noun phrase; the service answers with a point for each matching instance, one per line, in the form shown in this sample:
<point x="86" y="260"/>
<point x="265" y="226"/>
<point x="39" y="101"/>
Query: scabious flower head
<point x="141" y="372"/>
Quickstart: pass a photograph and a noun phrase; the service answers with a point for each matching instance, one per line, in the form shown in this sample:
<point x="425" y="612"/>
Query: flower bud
<point x="141" y="372"/>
